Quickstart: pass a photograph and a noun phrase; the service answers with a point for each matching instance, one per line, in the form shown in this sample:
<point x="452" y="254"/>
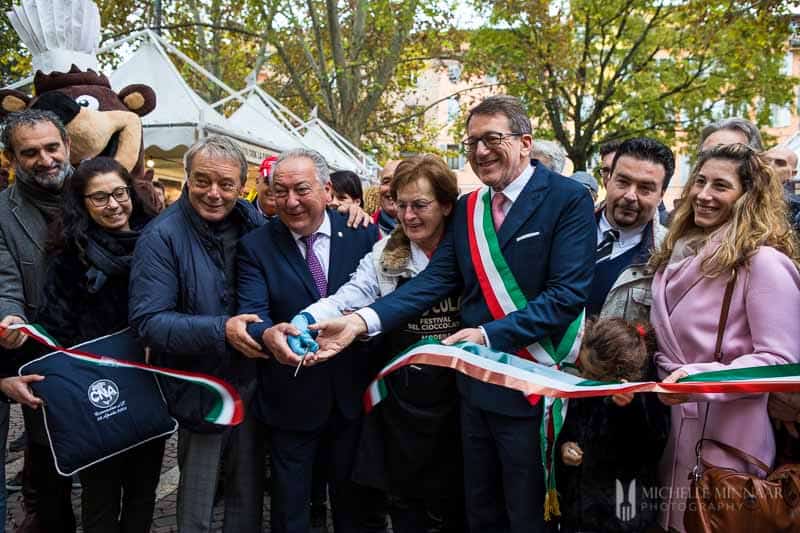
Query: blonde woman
<point x="732" y="220"/>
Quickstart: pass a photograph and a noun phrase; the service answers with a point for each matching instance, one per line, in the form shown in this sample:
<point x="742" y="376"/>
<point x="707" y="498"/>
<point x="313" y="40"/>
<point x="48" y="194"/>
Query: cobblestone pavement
<point x="164" y="514"/>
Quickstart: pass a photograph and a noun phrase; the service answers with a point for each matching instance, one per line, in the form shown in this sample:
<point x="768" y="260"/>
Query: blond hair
<point x="758" y="218"/>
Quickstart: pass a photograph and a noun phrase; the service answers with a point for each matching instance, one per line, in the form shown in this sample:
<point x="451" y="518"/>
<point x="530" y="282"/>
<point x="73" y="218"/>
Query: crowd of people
<point x="299" y="298"/>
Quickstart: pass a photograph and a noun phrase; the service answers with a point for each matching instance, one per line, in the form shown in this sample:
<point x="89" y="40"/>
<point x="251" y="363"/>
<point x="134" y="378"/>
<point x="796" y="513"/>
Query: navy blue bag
<point x="94" y="412"/>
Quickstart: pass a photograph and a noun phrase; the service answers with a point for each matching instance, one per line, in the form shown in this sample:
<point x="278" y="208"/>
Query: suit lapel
<point x="288" y="248"/>
<point x="336" y="275"/>
<point x="31" y="220"/>
<point x="525" y="205"/>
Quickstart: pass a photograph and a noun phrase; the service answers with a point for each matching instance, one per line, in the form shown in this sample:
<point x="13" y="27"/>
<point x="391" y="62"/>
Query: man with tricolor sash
<point x="522" y="250"/>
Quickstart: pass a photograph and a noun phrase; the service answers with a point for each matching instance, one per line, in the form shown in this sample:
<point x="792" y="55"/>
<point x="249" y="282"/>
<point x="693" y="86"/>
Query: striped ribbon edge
<point x="228" y="409"/>
<point x="533" y="379"/>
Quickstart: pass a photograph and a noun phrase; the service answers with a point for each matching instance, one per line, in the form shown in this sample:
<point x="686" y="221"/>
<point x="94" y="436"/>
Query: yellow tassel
<point x="551" y="507"/>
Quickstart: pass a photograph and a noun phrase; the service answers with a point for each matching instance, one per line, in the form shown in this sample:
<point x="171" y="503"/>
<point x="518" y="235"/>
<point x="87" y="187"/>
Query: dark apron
<point x="411" y="442"/>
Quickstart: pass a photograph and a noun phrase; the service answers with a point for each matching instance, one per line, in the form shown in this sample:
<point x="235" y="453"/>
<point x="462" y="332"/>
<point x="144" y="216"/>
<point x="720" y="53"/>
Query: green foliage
<point x="596" y="70"/>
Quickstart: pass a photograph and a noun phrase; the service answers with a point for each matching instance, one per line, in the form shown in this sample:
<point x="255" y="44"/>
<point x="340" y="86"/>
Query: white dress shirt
<point x="628" y="238"/>
<point x="512" y="192"/>
<point x="322" y="245"/>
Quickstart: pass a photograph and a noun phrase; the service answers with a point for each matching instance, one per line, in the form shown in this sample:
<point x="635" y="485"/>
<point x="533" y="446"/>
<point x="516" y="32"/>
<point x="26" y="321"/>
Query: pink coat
<point x="761" y="330"/>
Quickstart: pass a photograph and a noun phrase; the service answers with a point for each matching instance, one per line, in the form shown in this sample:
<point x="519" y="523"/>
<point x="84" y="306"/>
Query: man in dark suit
<point x="288" y="264"/>
<point x="546" y="235"/>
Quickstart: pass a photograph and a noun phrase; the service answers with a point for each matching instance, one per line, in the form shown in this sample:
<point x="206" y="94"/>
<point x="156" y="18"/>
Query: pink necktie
<point x="498" y="216"/>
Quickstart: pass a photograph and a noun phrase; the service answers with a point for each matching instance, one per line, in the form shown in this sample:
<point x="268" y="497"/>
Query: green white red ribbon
<point x="535" y="380"/>
<point x="228" y="409"/>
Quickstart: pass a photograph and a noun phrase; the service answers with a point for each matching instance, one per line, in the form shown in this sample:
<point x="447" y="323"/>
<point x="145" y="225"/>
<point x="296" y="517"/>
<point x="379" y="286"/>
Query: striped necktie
<point x="604" y="248"/>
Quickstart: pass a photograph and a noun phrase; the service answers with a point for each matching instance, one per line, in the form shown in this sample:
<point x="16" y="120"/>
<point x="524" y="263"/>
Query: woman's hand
<point x="571" y="454"/>
<point x="674" y="399"/>
<point x="18" y="389"/>
<point x="334" y="336"/>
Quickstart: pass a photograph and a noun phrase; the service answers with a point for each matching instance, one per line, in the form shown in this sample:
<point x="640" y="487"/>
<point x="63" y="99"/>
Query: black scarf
<point x="109" y="254"/>
<point x="47" y="201"/>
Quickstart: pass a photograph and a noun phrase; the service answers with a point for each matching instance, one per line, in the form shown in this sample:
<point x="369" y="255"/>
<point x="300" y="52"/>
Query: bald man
<point x="386" y="216"/>
<point x="783" y="161"/>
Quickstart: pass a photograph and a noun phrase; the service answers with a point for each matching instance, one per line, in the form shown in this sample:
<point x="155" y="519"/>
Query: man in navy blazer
<point x="547" y="237"/>
<point x="321" y="406"/>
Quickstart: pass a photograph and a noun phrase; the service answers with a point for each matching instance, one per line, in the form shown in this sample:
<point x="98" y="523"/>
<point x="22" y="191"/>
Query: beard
<point x="44" y="180"/>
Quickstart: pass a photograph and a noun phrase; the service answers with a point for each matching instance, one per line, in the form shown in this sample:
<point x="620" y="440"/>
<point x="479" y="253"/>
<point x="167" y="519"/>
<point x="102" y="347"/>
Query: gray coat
<point x="23" y="265"/>
<point x="630" y="297"/>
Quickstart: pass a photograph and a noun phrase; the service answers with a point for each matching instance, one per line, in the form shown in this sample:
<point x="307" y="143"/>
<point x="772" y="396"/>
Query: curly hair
<point x="758" y="218"/>
<point x="614" y="349"/>
<point x="70" y="230"/>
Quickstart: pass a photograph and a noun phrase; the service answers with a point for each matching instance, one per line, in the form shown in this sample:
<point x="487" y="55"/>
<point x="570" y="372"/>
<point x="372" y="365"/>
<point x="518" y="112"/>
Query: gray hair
<point x="551" y="153"/>
<point x="744" y="126"/>
<point x="323" y="172"/>
<point x="217" y="147"/>
<point x="29" y="118"/>
<point x="506" y="105"/>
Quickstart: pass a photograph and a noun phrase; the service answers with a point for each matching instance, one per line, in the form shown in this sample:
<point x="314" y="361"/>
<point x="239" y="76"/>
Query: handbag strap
<point x="740" y="454"/>
<point x="723" y="315"/>
<point x="723" y="320"/>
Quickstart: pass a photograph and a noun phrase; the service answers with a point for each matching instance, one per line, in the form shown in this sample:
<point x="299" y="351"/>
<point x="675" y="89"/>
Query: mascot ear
<point x="140" y="99"/>
<point x="59" y="103"/>
<point x="12" y="101"/>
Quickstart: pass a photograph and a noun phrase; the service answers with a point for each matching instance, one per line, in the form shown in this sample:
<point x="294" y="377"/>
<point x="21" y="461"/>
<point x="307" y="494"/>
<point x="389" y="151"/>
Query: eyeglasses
<point x="100" y="198"/>
<point x="492" y="139"/>
<point x="418" y="206"/>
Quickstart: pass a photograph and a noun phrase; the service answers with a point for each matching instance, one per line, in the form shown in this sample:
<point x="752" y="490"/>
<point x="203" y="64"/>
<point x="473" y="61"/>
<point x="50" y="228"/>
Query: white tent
<point x="259" y="121"/>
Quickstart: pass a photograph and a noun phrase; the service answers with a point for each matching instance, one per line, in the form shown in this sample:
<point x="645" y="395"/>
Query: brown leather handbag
<point x="724" y="500"/>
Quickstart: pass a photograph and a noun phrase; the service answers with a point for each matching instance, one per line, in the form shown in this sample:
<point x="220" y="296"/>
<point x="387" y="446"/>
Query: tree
<point x="596" y="70"/>
<point x="352" y="61"/>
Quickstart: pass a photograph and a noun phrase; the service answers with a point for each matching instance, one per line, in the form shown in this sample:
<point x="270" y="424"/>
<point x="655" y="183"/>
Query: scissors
<point x="300" y="364"/>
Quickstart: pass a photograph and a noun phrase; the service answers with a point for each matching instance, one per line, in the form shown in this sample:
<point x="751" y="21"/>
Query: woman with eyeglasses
<point x="729" y="235"/>
<point x="87" y="297"/>
<point x="411" y="444"/>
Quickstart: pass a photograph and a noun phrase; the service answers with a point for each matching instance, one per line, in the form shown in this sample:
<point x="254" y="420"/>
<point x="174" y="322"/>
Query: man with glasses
<point x="37" y="146"/>
<point x="545" y="232"/>
<point x="183" y="306"/>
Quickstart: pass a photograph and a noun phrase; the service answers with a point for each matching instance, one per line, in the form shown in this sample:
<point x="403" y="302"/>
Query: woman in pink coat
<point x="733" y="218"/>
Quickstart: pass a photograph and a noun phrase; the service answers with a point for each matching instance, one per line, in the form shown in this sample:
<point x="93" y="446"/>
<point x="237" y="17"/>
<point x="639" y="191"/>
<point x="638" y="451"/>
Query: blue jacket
<point x="548" y="240"/>
<point x="275" y="284"/>
<point x="180" y="301"/>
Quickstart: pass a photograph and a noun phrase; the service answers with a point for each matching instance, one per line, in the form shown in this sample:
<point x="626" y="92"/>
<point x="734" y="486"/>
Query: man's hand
<point x="237" y="336"/>
<point x="11" y="339"/>
<point x="275" y="339"/>
<point x="622" y="399"/>
<point x="334" y="336"/>
<point x="571" y="454"/>
<point x="355" y="216"/>
<point x="474" y="335"/>
<point x="18" y="389"/>
<point x="674" y="399"/>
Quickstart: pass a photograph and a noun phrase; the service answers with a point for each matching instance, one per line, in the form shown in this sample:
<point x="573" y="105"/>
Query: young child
<point x="610" y="446"/>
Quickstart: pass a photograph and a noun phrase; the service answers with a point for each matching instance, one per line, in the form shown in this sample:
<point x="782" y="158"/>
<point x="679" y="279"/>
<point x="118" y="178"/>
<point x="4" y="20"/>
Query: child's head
<point x="614" y="349"/>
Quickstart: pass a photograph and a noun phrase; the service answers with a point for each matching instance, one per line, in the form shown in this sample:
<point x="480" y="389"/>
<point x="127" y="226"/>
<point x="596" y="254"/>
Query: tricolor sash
<point x="503" y="296"/>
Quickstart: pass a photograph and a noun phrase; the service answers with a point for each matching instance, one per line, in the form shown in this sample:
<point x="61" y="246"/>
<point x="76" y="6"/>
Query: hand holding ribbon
<point x="304" y="341"/>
